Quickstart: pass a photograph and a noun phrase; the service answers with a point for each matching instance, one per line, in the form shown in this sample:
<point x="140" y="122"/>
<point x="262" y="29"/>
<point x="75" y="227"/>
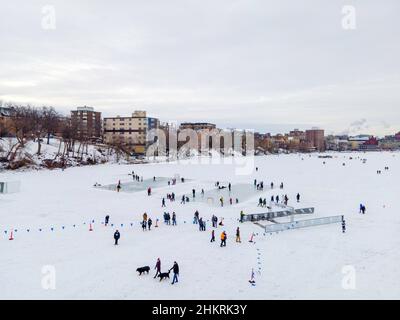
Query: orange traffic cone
<point x="11" y="236"/>
<point x="90" y="227"/>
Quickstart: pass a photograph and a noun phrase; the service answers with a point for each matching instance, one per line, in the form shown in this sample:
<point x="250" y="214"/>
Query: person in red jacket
<point x="157" y="267"/>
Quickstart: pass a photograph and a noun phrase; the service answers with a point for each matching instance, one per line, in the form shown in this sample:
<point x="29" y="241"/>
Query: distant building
<point x="315" y="138"/>
<point x="357" y="141"/>
<point x="197" y="126"/>
<point x="390" y="142"/>
<point x="87" y="122"/>
<point x="297" y="134"/>
<point x="129" y="133"/>
<point x="371" y="144"/>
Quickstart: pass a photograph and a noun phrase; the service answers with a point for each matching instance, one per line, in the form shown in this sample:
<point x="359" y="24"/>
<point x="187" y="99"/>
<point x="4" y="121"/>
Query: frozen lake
<point x="308" y="263"/>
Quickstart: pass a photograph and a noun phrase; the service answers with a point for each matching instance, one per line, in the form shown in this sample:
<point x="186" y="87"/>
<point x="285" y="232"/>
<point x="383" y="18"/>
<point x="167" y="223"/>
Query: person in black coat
<point x="175" y="269"/>
<point x="116" y="237"/>
<point x="107" y="219"/>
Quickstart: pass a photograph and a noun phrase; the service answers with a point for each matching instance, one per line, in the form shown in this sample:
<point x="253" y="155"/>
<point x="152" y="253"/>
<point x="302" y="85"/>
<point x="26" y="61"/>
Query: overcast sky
<point x="265" y="65"/>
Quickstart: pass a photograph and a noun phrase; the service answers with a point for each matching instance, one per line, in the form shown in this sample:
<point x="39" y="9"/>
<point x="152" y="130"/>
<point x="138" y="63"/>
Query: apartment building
<point x="87" y="122"/>
<point x="315" y="138"/>
<point x="128" y="132"/>
<point x="197" y="126"/>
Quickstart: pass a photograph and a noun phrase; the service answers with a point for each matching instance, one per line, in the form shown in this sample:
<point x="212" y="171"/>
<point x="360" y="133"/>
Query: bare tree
<point x="51" y="121"/>
<point x="21" y="122"/>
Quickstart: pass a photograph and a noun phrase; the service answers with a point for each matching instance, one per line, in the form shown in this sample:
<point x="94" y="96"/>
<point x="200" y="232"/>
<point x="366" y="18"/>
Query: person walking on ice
<point x="196" y="217"/>
<point x="173" y="218"/>
<point x="163" y="203"/>
<point x="157" y="267"/>
<point x="149" y="223"/>
<point x="241" y="216"/>
<point x="116" y="237"/>
<point x="144" y="225"/>
<point x="212" y="236"/>
<point x="223" y="239"/>
<point x="363" y="209"/>
<point x="238" y="235"/>
<point x="175" y="269"/>
<point x="106" y="220"/>
<point x="252" y="278"/>
<point x="298" y="197"/>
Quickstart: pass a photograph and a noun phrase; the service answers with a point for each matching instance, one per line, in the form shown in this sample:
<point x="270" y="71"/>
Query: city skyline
<point x="255" y="65"/>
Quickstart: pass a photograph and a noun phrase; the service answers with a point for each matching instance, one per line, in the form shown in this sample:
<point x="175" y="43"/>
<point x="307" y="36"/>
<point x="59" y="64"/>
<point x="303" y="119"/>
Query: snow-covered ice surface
<point x="295" y="264"/>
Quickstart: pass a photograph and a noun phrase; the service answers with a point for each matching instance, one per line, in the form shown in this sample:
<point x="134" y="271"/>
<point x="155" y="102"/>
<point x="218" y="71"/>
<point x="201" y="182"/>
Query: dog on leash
<point x="164" y="275"/>
<point x="141" y="270"/>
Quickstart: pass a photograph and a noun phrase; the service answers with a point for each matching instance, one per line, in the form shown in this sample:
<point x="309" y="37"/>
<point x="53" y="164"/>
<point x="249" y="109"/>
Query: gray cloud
<point x="265" y="64"/>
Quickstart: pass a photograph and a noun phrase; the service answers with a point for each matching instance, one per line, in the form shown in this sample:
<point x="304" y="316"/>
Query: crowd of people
<point x="215" y="221"/>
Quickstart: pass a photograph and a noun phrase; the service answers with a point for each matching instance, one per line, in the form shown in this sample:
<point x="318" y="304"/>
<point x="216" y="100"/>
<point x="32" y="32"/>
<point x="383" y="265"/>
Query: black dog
<point x="164" y="275"/>
<point x="143" y="269"/>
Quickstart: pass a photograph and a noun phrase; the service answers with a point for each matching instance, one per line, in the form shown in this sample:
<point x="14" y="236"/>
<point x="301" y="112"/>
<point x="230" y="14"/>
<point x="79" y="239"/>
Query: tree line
<point x="38" y="124"/>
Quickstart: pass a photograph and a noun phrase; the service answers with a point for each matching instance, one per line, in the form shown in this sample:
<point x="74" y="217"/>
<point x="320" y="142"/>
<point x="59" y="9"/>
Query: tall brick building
<point x="87" y="122"/>
<point x="316" y="139"/>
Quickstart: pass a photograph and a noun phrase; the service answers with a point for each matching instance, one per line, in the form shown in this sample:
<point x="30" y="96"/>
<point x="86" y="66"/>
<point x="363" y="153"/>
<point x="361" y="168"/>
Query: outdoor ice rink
<point x="311" y="263"/>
